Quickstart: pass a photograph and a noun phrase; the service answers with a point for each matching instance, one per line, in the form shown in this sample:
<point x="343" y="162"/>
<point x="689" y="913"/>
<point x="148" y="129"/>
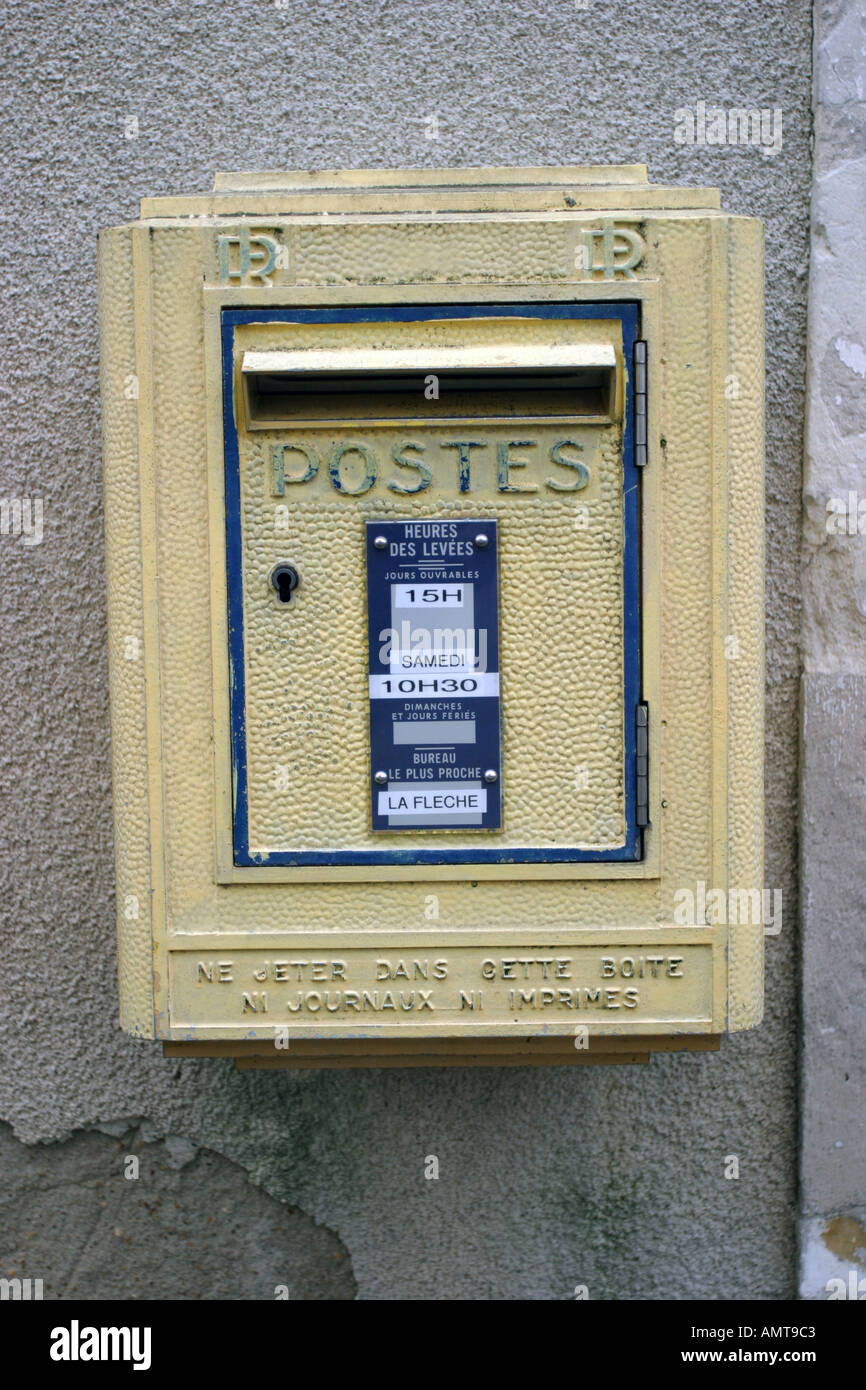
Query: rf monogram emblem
<point x="608" y="251"/>
<point x="258" y="255"/>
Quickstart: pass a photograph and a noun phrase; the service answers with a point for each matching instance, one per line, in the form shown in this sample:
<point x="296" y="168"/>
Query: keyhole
<point x="285" y="579"/>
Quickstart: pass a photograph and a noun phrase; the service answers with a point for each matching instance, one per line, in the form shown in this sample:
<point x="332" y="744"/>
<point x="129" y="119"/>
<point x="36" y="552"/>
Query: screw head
<point x="380" y="543"/>
<point x="482" y="541"/>
<point x="491" y="775"/>
<point x="380" y="778"/>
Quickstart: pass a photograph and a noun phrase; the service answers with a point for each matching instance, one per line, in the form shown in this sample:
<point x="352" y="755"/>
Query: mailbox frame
<point x="514" y="234"/>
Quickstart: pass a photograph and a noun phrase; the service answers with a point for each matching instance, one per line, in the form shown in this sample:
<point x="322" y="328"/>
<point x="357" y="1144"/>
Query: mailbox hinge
<point x="642" y="764"/>
<point x="640" y="404"/>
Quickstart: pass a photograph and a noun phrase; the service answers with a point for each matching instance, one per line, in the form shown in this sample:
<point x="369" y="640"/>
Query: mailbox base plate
<point x="305" y="1055"/>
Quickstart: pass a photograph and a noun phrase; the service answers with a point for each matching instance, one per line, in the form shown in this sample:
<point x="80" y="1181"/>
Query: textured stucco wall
<point x="612" y="1178"/>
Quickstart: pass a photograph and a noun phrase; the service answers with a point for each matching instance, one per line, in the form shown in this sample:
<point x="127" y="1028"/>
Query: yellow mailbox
<point x="434" y="508"/>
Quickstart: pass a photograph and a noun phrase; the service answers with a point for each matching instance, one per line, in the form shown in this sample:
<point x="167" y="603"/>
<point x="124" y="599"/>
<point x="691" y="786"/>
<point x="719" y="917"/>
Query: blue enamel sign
<point x="432" y="605"/>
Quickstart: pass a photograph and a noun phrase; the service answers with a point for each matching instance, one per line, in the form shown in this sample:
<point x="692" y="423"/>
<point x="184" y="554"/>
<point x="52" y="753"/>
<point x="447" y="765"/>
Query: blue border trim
<point x="632" y="850"/>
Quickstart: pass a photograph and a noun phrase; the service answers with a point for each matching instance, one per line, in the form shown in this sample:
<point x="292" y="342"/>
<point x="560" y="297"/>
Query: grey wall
<point x="613" y="1178"/>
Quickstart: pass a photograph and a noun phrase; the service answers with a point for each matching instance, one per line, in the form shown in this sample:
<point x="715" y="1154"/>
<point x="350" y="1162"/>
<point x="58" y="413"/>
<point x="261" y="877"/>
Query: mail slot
<point x="435" y="617"/>
<point x="472" y="383"/>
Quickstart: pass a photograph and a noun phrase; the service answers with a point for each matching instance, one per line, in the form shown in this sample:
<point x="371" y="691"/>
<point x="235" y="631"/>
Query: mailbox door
<point x="422" y="430"/>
